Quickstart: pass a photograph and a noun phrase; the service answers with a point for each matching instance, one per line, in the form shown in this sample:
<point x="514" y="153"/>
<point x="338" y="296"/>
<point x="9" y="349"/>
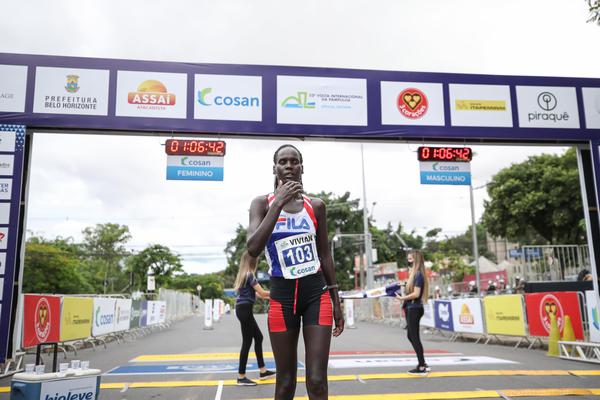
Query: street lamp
<point x="404" y="247"/>
<point x="338" y="237"/>
<point x="474" y="236"/>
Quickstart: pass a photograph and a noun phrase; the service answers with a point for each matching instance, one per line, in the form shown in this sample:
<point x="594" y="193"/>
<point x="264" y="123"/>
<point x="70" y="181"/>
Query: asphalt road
<point x="369" y="362"/>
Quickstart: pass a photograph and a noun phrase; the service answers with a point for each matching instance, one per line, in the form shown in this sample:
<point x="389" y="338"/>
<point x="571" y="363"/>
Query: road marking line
<point x="219" y="391"/>
<point x="5" y="389"/>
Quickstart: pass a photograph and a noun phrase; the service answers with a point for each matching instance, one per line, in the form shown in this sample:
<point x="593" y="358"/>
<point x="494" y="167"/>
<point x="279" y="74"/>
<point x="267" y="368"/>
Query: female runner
<point x="417" y="288"/>
<point x="292" y="230"/>
<point x="247" y="287"/>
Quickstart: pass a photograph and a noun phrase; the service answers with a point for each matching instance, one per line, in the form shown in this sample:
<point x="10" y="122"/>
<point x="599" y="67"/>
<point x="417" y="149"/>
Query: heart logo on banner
<point x="412" y="100"/>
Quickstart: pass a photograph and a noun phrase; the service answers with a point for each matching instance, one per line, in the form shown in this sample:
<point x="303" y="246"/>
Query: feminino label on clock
<point x="547" y="107"/>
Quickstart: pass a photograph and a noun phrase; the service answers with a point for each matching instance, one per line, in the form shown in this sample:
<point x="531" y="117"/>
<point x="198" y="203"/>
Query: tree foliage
<point x="537" y="201"/>
<point x="594" y="6"/>
<point x="158" y="258"/>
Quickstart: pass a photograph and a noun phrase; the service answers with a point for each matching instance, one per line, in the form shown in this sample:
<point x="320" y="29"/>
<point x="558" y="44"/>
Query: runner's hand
<point x="287" y="192"/>
<point x="338" y="318"/>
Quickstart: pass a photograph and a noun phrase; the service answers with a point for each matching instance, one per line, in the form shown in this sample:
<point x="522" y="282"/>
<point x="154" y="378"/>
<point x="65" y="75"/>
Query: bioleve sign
<point x="69" y="389"/>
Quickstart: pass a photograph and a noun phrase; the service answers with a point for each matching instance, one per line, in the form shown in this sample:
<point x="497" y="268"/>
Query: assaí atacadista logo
<point x="69" y="99"/>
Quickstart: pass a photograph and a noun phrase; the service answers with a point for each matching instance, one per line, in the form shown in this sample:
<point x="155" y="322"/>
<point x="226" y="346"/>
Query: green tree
<point x="163" y="263"/>
<point x="537" y="201"/>
<point x="105" y="251"/>
<point x="53" y="266"/>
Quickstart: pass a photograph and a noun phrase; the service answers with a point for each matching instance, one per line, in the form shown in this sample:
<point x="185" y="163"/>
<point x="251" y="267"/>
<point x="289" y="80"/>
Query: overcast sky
<point x="122" y="179"/>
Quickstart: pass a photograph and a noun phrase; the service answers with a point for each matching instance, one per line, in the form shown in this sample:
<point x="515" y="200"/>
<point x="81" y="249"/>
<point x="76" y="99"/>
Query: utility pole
<point x="368" y="245"/>
<point x="475" y="247"/>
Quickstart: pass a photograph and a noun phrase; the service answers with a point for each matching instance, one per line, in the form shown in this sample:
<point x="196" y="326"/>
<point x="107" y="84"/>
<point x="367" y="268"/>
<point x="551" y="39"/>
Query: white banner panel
<point x="153" y="312"/>
<point x="480" y="105"/>
<point x="104" y="316"/>
<point x="3" y="238"/>
<point x="547" y="107"/>
<point x="4" y="213"/>
<point x="427" y="319"/>
<point x="7" y="162"/>
<point x="228" y="97"/>
<point x="151" y="94"/>
<point x="321" y="101"/>
<point x="5" y="189"/>
<point x="71" y="91"/>
<point x="591" y="106"/>
<point x="467" y="315"/>
<point x="412" y="103"/>
<point x="208" y="322"/>
<point x="13" y="87"/>
<point x="69" y="389"/>
<point x="2" y="263"/>
<point x="593" y="316"/>
<point x="443" y="166"/>
<point x="122" y="314"/>
<point x="195" y="161"/>
<point x="8" y="141"/>
<point x="162" y="312"/>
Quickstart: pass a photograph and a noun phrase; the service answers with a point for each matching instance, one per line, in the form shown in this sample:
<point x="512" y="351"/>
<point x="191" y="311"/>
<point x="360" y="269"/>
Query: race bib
<point x="297" y="255"/>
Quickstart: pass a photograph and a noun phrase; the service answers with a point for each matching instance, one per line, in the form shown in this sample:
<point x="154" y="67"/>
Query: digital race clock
<point x="192" y="147"/>
<point x="451" y="154"/>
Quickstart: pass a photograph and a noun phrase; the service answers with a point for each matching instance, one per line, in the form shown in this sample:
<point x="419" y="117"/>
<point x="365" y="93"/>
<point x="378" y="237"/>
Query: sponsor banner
<point x="3" y="238"/>
<point x="210" y="368"/>
<point x="7" y="162"/>
<point x="104" y="316"/>
<point x="321" y="101"/>
<point x="2" y="263"/>
<point x="4" y="213"/>
<point x="372" y="362"/>
<point x="41" y="319"/>
<point x="540" y="306"/>
<point x="480" y="105"/>
<point x="153" y="311"/>
<point x="8" y="140"/>
<point x="136" y="312"/>
<point x="443" y="315"/>
<point x="547" y="107"/>
<point x="195" y="161"/>
<point x="195" y="174"/>
<point x="13" y="88"/>
<point x="467" y="315"/>
<point x="151" y="94"/>
<point x="504" y="315"/>
<point x="228" y="97"/>
<point x="122" y="314"/>
<point x="412" y="103"/>
<point x="427" y="319"/>
<point x="593" y="316"/>
<point x="144" y="313"/>
<point x="591" y="107"/>
<point x="71" y="91"/>
<point x="442" y="166"/>
<point x="69" y="389"/>
<point x="6" y="189"/>
<point x="76" y="318"/>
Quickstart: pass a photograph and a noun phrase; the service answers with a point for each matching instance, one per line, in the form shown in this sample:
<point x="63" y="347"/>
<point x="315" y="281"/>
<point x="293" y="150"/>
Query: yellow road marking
<point x="5" y="389"/>
<point x="193" y="357"/>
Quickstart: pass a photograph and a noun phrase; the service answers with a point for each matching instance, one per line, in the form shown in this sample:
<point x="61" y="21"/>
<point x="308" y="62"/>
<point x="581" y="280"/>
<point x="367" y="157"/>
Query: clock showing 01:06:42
<point x="193" y="147"/>
<point x="450" y="154"/>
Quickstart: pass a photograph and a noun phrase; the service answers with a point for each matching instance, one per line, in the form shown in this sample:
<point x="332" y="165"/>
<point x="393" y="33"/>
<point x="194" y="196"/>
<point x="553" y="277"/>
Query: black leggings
<point x="413" y="317"/>
<point x="250" y="330"/>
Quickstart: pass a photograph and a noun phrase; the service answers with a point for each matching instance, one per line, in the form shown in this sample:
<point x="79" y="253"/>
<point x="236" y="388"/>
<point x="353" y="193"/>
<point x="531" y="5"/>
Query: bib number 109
<point x="298" y="255"/>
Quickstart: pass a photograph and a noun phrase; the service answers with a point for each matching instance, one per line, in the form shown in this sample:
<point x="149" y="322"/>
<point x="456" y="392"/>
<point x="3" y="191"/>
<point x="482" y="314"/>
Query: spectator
<point x="584" y="275"/>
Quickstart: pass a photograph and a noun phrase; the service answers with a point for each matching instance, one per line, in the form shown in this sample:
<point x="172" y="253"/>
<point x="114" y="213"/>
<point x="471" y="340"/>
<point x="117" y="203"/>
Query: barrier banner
<point x="504" y="315"/>
<point x="162" y="312"/>
<point x="104" y="316"/>
<point x="136" y="312"/>
<point x="540" y="306"/>
<point x="593" y="317"/>
<point x="144" y="313"/>
<point x="208" y="321"/>
<point x="122" y="314"/>
<point x="76" y="318"/>
<point x="153" y="309"/>
<point x="427" y="319"/>
<point x="41" y="319"/>
<point x="467" y="315"/>
<point x="443" y="315"/>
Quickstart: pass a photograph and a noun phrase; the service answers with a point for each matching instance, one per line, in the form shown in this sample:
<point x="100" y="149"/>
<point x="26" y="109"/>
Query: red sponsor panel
<point x="41" y="319"/>
<point x="540" y="306"/>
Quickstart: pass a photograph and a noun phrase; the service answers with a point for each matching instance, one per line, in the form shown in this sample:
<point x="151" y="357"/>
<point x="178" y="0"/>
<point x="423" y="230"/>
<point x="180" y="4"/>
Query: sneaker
<point x="245" y="382"/>
<point x="266" y="374"/>
<point x="427" y="367"/>
<point x="420" y="370"/>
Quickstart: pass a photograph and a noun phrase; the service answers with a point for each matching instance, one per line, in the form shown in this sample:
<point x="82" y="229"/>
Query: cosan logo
<point x="70" y="396"/>
<point x="207" y="98"/>
<point x="152" y="93"/>
<point x="437" y="167"/>
<point x="103" y="319"/>
<point x="294" y="271"/>
<point x="194" y="163"/>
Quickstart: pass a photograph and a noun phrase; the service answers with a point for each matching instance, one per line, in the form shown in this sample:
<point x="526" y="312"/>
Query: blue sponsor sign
<point x="194" y="173"/>
<point x="445" y="178"/>
<point x="533" y="252"/>
<point x="443" y="315"/>
<point x="515" y="253"/>
<point x="210" y="368"/>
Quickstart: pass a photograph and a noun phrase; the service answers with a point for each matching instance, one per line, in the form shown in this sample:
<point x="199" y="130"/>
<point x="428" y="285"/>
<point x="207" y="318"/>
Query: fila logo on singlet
<point x="291" y="224"/>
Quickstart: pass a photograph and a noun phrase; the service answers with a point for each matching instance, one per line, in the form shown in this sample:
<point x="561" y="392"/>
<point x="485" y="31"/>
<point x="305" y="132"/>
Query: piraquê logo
<point x="205" y="98"/>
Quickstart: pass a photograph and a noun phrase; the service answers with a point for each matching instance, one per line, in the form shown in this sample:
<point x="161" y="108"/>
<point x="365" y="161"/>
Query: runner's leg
<point x="285" y="351"/>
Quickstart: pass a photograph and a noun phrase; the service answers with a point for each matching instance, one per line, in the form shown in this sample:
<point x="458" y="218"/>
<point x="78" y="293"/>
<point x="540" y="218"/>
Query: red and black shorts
<point x="294" y="301"/>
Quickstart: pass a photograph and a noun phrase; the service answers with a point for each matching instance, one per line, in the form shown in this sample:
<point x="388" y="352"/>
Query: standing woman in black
<point x="247" y="287"/>
<point x="417" y="289"/>
<point x="292" y="230"/>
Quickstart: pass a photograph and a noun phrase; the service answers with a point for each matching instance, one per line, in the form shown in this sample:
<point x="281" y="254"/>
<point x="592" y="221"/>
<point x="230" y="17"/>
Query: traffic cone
<point x="553" y="338"/>
<point x="568" y="332"/>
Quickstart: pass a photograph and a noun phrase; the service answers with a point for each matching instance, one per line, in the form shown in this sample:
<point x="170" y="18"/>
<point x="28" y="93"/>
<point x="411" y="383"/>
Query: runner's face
<point x="410" y="258"/>
<point x="287" y="165"/>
